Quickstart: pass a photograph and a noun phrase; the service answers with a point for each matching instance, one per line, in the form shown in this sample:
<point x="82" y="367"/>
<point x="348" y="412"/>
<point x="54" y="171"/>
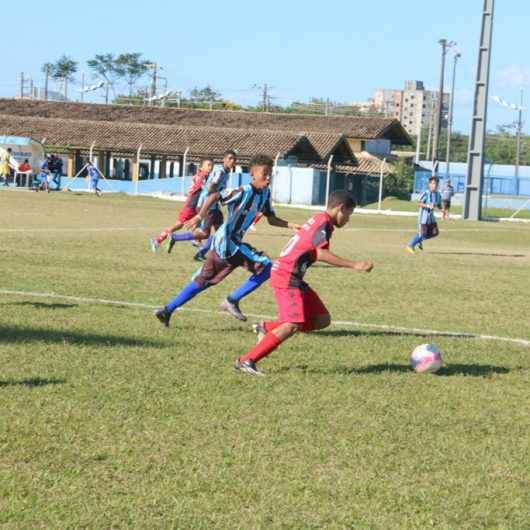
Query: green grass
<point x="391" y="203"/>
<point x="110" y="421"/>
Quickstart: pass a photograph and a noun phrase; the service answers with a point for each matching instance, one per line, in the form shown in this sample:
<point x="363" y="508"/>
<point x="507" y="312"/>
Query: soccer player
<point x="44" y="175"/>
<point x="215" y="184"/>
<point x="229" y="251"/>
<point x="190" y="206"/>
<point x="428" y="228"/>
<point x="299" y="307"/>
<point x="93" y="173"/>
<point x="447" y="194"/>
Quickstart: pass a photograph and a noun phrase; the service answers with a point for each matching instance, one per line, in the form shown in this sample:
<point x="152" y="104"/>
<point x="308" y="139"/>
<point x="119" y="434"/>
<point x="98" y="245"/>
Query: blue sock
<point x="182" y="236"/>
<point x="416" y="240"/>
<point x="190" y="291"/>
<point x="206" y="247"/>
<point x="250" y="285"/>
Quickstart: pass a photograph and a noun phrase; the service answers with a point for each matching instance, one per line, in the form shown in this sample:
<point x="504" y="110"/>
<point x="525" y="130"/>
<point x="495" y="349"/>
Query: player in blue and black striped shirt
<point x="428" y="228"/>
<point x="229" y="251"/>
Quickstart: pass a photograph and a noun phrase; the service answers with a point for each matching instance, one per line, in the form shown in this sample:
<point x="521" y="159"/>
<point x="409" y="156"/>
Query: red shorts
<point x="186" y="214"/>
<point x="298" y="305"/>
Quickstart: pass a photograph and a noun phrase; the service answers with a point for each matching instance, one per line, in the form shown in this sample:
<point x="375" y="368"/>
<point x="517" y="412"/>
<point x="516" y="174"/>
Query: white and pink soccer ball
<point x="426" y="358"/>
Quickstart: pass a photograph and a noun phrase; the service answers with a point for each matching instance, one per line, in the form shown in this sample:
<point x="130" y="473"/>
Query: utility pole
<point x="83" y="87"/>
<point x="519" y="135"/>
<point x="46" y="81"/>
<point x="445" y="44"/>
<point x="431" y="126"/>
<point x="153" y="82"/>
<point x="477" y="138"/>
<point x="450" y="118"/>
<point x="265" y="97"/>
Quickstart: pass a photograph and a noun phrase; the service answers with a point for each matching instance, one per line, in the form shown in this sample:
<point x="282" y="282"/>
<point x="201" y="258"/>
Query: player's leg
<point x="291" y="319"/>
<point x="211" y="273"/>
<point x="257" y="263"/>
<point x="417" y="239"/>
<point x="185" y="215"/>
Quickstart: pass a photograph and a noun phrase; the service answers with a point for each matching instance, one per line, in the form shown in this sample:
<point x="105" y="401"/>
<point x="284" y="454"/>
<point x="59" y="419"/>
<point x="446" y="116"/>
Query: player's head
<point x="433" y="183"/>
<point x="340" y="207"/>
<point x="229" y="159"/>
<point x="206" y="165"/>
<point x="9" y="150"/>
<point x="261" y="171"/>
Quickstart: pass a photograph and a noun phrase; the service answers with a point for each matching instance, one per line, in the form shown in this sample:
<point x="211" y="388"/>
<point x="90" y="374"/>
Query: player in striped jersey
<point x="299" y="307"/>
<point x="428" y="228"/>
<point x="229" y="251"/>
<point x="213" y="219"/>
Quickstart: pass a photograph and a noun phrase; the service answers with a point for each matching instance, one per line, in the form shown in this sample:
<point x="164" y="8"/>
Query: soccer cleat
<point x="163" y="316"/>
<point x="170" y="244"/>
<point x="410" y="249"/>
<point x="248" y="367"/>
<point x="154" y="244"/>
<point x="199" y="257"/>
<point x="233" y="309"/>
<point x="420" y="245"/>
<point x="259" y="330"/>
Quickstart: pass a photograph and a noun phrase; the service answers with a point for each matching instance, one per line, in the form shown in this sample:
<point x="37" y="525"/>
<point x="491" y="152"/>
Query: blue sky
<point x="338" y="49"/>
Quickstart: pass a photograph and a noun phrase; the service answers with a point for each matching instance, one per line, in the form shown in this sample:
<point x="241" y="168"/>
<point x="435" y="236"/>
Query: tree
<point x="205" y="94"/>
<point x="106" y="66"/>
<point x="399" y="182"/>
<point x="133" y="68"/>
<point x="64" y="70"/>
<point x="47" y="69"/>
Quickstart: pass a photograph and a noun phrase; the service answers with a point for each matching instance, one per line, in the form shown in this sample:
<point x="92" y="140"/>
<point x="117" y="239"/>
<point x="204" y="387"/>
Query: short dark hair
<point x="261" y="160"/>
<point x="341" y="197"/>
<point x="230" y="152"/>
<point x="435" y="178"/>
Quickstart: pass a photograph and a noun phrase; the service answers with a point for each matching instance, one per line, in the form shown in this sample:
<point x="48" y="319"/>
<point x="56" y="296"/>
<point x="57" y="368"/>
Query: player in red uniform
<point x="190" y="206"/>
<point x="299" y="307"/>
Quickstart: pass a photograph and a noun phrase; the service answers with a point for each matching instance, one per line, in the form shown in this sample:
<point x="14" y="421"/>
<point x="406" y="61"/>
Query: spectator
<point x="447" y="194"/>
<point x="43" y="175"/>
<point x="25" y="167"/>
<point x="5" y="166"/>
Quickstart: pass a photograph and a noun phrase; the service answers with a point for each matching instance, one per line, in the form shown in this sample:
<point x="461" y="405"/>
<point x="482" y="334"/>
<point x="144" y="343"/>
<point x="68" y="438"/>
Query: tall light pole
<point x="477" y="138"/>
<point x="450" y="118"/>
<point x="445" y="44"/>
<point x="518" y="126"/>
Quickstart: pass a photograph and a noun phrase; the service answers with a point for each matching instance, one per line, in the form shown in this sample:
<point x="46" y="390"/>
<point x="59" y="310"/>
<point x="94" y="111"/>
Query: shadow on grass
<point x="490" y="254"/>
<point x="32" y="382"/>
<point x="20" y="334"/>
<point x="43" y="305"/>
<point x="472" y="370"/>
<point x="388" y="333"/>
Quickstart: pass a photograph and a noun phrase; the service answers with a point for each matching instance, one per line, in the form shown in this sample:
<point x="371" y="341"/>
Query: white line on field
<point x="101" y="229"/>
<point x="395" y="329"/>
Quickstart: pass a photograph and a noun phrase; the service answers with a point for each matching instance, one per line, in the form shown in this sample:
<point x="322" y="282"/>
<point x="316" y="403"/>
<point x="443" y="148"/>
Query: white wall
<point x="293" y="185"/>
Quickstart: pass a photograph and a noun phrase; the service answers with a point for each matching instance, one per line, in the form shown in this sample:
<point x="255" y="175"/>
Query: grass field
<point x="392" y="203"/>
<point x="110" y="421"/>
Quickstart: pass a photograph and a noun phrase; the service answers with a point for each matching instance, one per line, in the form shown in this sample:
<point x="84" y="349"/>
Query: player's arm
<point x="281" y="223"/>
<point x="332" y="259"/>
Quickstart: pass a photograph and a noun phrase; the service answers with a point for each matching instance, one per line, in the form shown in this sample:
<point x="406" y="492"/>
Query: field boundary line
<point x="385" y="327"/>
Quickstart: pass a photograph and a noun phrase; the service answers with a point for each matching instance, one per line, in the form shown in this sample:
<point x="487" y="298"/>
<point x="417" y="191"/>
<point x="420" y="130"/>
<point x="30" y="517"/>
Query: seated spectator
<point x="25" y="167"/>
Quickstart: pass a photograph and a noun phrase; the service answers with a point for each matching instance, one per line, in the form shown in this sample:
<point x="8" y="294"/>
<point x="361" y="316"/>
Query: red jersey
<point x="194" y="191"/>
<point x="301" y="251"/>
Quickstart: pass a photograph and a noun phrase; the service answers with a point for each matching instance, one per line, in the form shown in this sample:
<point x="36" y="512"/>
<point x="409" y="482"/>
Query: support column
<point x="475" y="157"/>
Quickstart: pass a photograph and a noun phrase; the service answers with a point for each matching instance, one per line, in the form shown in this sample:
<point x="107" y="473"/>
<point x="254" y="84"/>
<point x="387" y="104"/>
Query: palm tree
<point x="64" y="69"/>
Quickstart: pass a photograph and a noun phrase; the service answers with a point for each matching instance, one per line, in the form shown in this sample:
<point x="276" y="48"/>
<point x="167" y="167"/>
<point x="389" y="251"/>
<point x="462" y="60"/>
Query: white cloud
<point x="513" y="76"/>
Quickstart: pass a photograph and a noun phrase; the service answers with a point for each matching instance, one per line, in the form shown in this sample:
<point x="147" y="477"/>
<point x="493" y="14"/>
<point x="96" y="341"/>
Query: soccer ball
<point x="426" y="358"/>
